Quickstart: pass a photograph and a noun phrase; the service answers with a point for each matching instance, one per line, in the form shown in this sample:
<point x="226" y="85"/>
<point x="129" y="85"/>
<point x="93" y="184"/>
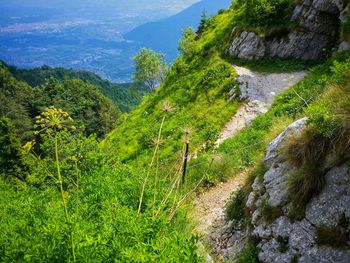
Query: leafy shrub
<point x="12" y="162"/>
<point x="188" y="45"/>
<point x="263" y="13"/>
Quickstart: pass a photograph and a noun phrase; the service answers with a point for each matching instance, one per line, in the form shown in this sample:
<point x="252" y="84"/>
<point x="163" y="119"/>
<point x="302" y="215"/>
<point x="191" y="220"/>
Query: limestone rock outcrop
<point x="315" y="36"/>
<point x="283" y="239"/>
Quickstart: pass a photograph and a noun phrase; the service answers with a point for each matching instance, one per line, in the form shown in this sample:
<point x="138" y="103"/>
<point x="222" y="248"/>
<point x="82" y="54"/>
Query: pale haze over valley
<point x="80" y="34"/>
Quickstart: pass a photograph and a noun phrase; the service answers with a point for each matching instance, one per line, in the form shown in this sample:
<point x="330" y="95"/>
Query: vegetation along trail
<point x="259" y="90"/>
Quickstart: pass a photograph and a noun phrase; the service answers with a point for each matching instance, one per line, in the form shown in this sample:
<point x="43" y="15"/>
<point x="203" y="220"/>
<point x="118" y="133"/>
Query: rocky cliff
<point x="284" y="240"/>
<point x="315" y="34"/>
<point x="322" y="235"/>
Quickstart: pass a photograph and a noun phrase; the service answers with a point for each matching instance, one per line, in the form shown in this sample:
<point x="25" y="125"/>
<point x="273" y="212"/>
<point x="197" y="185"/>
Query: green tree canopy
<point x="150" y="68"/>
<point x="11" y="157"/>
<point x="83" y="101"/>
<point x="188" y="45"/>
<point x="203" y="23"/>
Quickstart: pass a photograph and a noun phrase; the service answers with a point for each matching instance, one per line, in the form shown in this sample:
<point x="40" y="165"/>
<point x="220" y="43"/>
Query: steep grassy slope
<point x="125" y="96"/>
<point x="197" y="86"/>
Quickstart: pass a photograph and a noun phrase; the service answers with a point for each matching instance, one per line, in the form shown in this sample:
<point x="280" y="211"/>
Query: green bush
<point x="12" y="161"/>
<point x="263" y="13"/>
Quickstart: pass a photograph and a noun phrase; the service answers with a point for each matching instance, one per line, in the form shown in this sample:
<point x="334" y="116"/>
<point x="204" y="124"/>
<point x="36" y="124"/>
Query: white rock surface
<point x="284" y="240"/>
<point x="272" y="155"/>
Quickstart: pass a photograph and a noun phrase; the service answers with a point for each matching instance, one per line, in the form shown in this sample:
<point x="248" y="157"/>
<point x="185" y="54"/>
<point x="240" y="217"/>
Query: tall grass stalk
<point x="174" y="184"/>
<point x="151" y="165"/>
<point x="52" y="121"/>
<point x="60" y="182"/>
<point x="155" y="182"/>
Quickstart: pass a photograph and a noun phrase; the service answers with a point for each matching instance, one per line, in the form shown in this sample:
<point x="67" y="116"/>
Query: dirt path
<point x="209" y="204"/>
<point x="260" y="90"/>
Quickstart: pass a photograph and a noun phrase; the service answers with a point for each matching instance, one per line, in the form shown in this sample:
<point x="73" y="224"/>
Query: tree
<point x="11" y="158"/>
<point x="188" y="45"/>
<point x="150" y="68"/>
<point x="203" y="23"/>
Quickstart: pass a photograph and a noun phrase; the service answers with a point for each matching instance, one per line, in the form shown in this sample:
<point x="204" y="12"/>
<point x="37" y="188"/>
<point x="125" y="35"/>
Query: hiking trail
<point x="259" y="90"/>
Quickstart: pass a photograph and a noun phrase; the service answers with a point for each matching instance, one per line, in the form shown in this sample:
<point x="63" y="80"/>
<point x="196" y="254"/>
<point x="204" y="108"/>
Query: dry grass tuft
<point x="331" y="236"/>
<point x="306" y="148"/>
<point x="324" y="144"/>
<point x="302" y="186"/>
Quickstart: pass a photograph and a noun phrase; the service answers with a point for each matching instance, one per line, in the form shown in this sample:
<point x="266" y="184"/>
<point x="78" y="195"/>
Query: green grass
<point x="106" y="227"/>
<point x="199" y="91"/>
<point x="302" y="186"/>
<point x="323" y="144"/>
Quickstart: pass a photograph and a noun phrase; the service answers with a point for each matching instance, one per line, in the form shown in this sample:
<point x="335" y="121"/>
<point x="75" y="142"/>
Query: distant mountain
<point x="164" y="34"/>
<point x="125" y="96"/>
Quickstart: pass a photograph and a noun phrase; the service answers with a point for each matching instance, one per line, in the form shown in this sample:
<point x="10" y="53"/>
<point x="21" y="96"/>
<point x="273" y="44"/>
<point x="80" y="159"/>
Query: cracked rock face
<point x="316" y="34"/>
<point x="283" y="240"/>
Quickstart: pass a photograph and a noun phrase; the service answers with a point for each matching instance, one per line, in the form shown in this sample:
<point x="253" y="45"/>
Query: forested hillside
<point x="125" y="96"/>
<point x="64" y="196"/>
<point x="93" y="112"/>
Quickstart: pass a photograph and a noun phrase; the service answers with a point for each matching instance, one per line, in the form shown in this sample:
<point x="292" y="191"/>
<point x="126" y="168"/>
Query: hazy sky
<point x="141" y="10"/>
<point x="173" y="5"/>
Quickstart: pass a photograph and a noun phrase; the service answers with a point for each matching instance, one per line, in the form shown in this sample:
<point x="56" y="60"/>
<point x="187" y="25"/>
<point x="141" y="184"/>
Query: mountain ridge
<point x="163" y="35"/>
